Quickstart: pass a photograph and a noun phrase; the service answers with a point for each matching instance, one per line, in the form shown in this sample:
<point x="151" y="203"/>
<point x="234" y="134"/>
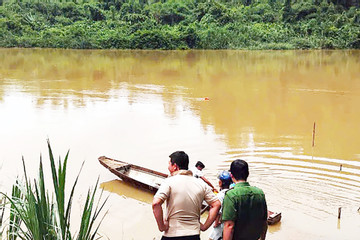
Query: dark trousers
<point x="193" y="237"/>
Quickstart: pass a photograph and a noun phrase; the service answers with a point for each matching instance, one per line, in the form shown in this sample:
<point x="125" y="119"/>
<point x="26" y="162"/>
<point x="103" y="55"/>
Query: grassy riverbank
<point x="181" y="24"/>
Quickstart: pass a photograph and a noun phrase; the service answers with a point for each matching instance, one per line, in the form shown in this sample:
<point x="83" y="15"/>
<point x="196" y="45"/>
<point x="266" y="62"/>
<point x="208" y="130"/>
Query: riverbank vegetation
<point x="35" y="213"/>
<point x="180" y="24"/>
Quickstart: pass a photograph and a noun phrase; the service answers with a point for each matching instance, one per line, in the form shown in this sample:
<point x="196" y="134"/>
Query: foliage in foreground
<point x="181" y="24"/>
<point x="2" y="211"/>
<point x="36" y="215"/>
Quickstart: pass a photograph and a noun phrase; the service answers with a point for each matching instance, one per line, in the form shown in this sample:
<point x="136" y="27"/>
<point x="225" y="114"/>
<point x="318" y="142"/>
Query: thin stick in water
<point x="313" y="137"/>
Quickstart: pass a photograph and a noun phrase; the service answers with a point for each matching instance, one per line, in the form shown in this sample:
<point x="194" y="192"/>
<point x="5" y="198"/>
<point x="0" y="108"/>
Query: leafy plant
<point x="37" y="215"/>
<point x="2" y="210"/>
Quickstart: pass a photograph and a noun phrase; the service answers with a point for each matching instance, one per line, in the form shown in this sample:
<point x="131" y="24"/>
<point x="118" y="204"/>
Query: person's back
<point x="245" y="209"/>
<point x="184" y="195"/>
<point x="250" y="211"/>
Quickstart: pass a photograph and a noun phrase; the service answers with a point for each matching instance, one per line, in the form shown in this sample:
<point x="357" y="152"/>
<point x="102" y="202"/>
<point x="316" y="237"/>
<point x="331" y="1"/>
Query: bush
<point x="130" y="7"/>
<point x="154" y="39"/>
<point x="304" y="11"/>
<point x="214" y="37"/>
<point x="269" y="17"/>
<point x="301" y="43"/>
<point x="275" y="46"/>
<point x="72" y="11"/>
<point x="170" y="12"/>
<point x="135" y="18"/>
<point x="190" y="36"/>
<point x="95" y="13"/>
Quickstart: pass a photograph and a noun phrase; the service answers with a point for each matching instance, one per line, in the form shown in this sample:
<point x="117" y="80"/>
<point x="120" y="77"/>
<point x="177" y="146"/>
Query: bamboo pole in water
<point x="313" y="137"/>
<point x="313" y="143"/>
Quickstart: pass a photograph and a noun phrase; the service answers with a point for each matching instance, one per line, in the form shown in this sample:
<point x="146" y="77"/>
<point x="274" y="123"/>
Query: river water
<point x="293" y="115"/>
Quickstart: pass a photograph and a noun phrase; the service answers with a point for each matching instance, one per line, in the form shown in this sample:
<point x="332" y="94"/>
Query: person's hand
<point x="202" y="227"/>
<point x="165" y="227"/>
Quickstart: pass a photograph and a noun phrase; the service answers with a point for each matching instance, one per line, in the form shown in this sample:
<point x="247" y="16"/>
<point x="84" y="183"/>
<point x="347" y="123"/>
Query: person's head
<point x="224" y="179"/>
<point x="199" y="165"/>
<point x="179" y="160"/>
<point x="239" y="169"/>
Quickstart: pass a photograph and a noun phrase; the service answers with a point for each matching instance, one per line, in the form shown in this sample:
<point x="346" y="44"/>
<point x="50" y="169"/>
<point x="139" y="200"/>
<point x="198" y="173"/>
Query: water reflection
<point x="124" y="189"/>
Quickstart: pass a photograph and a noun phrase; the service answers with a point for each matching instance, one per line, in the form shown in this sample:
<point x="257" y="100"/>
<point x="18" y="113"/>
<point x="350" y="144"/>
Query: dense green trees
<point x="180" y="24"/>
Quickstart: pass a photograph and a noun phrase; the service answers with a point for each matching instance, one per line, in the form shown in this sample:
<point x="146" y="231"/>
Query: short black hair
<point x="226" y="183"/>
<point x="199" y="164"/>
<point x="239" y="169"/>
<point x="181" y="159"/>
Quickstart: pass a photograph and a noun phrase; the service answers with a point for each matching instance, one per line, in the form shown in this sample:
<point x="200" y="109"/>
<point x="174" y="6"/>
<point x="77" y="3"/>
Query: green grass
<point x="39" y="214"/>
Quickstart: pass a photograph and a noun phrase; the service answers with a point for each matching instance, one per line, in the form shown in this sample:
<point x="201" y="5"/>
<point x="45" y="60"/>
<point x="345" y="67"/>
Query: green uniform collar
<point x="242" y="184"/>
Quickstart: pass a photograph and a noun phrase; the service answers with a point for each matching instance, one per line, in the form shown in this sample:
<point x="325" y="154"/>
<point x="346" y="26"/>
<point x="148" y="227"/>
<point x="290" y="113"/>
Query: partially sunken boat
<point x="150" y="180"/>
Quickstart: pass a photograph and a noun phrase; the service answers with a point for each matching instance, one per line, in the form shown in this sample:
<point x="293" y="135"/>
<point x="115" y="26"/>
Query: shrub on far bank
<point x="180" y="24"/>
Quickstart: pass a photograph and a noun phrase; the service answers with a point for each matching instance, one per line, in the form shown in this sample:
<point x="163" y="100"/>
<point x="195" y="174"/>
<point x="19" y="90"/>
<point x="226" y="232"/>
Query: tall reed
<point x="37" y="215"/>
<point x="2" y="210"/>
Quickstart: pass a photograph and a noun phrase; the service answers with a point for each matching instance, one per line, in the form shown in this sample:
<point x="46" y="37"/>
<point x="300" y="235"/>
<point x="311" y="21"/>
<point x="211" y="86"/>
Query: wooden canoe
<point x="140" y="177"/>
<point x="150" y="180"/>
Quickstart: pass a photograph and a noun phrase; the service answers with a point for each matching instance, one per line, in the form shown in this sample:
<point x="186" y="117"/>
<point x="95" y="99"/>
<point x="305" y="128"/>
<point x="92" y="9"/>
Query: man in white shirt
<point x="184" y="195"/>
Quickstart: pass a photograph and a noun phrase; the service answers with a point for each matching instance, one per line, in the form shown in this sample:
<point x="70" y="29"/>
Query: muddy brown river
<point x="218" y="106"/>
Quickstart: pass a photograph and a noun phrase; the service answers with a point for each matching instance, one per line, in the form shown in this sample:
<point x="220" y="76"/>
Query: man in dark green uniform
<point x="245" y="210"/>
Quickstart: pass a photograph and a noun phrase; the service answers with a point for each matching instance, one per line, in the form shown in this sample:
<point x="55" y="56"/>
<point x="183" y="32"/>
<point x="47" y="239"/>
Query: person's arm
<point x="209" y="183"/>
<point x="265" y="225"/>
<point x="228" y="230"/>
<point x="158" y="214"/>
<point x="217" y="221"/>
<point x="213" y="212"/>
<point x="263" y="233"/>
